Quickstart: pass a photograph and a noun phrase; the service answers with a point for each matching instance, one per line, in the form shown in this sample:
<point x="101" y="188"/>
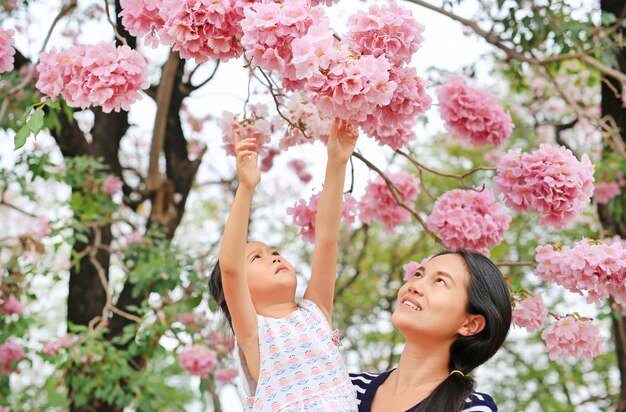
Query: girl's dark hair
<point x="216" y="290"/>
<point x="489" y="296"/>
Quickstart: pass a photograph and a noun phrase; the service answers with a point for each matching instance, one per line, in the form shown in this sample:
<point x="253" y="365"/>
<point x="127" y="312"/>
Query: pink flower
<point x="42" y="228"/>
<point x="301" y="111"/>
<point x="226" y="375"/>
<point x="267" y="161"/>
<point x="12" y="306"/>
<point x="606" y="189"/>
<point x="10" y="352"/>
<point x="141" y="18"/>
<point x="255" y="125"/>
<point x="569" y="336"/>
<point x="472" y="114"/>
<point x="530" y="313"/>
<point x="93" y="75"/>
<point x="466" y="219"/>
<point x="304" y="214"/>
<point x="50" y="348"/>
<point x="389" y="31"/>
<point x="392" y="124"/>
<point x="6" y="50"/>
<point x="378" y="204"/>
<point x="299" y="167"/>
<point x="409" y="270"/>
<point x="197" y="360"/>
<point x="202" y="29"/>
<point x="135" y="237"/>
<point x="111" y="185"/>
<point x="550" y="181"/>
<point x="222" y="344"/>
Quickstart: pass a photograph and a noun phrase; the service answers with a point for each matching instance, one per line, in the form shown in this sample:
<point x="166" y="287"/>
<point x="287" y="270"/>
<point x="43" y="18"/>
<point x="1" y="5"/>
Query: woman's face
<point x="431" y="305"/>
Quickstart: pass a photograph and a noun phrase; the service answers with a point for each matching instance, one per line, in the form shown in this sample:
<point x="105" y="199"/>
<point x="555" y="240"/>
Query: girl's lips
<point x="281" y="267"/>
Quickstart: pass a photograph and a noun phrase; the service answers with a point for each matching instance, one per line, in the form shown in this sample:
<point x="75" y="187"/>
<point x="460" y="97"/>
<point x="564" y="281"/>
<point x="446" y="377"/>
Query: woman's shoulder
<point x="361" y="381"/>
<point x="479" y="402"/>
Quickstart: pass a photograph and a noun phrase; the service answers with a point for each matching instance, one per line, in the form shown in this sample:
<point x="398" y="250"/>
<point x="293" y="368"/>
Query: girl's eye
<point x="441" y="280"/>
<point x="275" y="253"/>
<point x="255" y="256"/>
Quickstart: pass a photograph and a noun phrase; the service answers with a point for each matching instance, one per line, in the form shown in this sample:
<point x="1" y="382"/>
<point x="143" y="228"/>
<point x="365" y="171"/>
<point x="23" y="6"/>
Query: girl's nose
<point x="276" y="259"/>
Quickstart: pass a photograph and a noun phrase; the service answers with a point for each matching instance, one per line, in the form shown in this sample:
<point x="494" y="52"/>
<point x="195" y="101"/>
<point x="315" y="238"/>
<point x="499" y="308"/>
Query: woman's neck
<point x="422" y="365"/>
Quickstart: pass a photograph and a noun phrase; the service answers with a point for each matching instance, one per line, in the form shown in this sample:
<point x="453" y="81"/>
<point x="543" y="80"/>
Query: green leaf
<point x="21" y="136"/>
<point x="35" y="123"/>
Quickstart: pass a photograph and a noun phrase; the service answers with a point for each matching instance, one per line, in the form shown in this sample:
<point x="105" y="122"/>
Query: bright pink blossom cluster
<point x="202" y="29"/>
<point x="299" y="167"/>
<point x="466" y="219"/>
<point x="255" y="125"/>
<point x="301" y="111"/>
<point x="141" y="18"/>
<point x="392" y="124"/>
<point x="270" y="27"/>
<point x="569" y="336"/>
<point x="530" y="313"/>
<point x="605" y="190"/>
<point x="6" y="50"/>
<point x="388" y="30"/>
<point x="304" y="214"/>
<point x="550" y="181"/>
<point x="12" y="305"/>
<point x="472" y="114"/>
<point x="589" y="266"/>
<point x="197" y="360"/>
<point x="411" y="267"/>
<point x="94" y="75"/>
<point x="378" y="203"/>
<point x="10" y="352"/>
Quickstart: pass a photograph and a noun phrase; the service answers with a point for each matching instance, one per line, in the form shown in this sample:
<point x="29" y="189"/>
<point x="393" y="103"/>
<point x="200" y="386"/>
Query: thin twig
<point x="118" y="36"/>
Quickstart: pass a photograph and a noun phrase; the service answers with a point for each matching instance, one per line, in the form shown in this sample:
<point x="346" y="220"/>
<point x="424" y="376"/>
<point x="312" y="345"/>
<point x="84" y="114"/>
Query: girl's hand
<point x="248" y="171"/>
<point x="341" y="141"/>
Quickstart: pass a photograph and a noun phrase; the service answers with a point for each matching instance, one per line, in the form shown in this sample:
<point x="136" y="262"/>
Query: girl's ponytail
<point x="216" y="290"/>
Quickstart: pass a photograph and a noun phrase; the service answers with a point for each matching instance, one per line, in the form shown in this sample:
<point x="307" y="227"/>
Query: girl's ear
<point x="473" y="324"/>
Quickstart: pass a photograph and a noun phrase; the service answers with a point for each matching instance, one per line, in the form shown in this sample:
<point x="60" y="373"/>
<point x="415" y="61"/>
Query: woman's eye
<point x="418" y="274"/>
<point x="441" y="280"/>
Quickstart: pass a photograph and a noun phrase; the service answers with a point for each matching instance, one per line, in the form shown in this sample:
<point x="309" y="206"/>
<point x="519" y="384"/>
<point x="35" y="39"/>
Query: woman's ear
<point x="473" y="324"/>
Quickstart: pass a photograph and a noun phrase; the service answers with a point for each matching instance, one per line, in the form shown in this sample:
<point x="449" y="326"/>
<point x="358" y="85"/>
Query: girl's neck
<point x="421" y="365"/>
<point x="277" y="310"/>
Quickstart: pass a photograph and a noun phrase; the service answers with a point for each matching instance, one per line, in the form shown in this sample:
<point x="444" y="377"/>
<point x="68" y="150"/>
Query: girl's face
<point x="271" y="278"/>
<point x="432" y="304"/>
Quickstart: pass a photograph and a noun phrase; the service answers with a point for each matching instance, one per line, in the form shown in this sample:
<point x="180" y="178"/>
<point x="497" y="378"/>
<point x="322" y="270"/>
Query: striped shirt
<point x="366" y="385"/>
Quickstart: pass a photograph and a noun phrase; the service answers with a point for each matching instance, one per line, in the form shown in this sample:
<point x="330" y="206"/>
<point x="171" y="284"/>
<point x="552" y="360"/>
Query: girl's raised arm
<point x="231" y="259"/>
<point x="321" y="288"/>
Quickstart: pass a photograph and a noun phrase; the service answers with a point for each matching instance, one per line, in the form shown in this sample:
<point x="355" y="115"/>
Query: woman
<point x="454" y="313"/>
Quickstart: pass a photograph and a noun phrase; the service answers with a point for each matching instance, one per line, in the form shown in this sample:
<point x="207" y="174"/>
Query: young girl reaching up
<point x="288" y="356"/>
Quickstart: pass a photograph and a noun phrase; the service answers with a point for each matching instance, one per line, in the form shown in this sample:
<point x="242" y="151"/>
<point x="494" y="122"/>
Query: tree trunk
<point x="612" y="218"/>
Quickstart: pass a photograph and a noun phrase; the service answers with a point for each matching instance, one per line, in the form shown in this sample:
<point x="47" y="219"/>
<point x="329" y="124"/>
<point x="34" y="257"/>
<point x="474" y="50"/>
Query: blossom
<point x="135" y="237"/>
<point x="226" y="375"/>
<point x="378" y="204"/>
<point x="223" y="344"/>
<point x="93" y="75"/>
<point x="472" y="114"/>
<point x="197" y="360"/>
<point x="300" y="110"/>
<point x="605" y="189"/>
<point x="255" y="125"/>
<point x="6" y="50"/>
<point x="267" y="162"/>
<point x="41" y="228"/>
<point x="111" y="185"/>
<point x="392" y="124"/>
<point x="12" y="306"/>
<point x="569" y="336"/>
<point x="10" y="352"/>
<point x="409" y="270"/>
<point x="389" y="31"/>
<point x="314" y="51"/>
<point x="530" y="313"/>
<point x="550" y="181"/>
<point x="299" y="166"/>
<point x="304" y="214"/>
<point x="141" y="18"/>
<point x="202" y="29"/>
<point x="466" y="219"/>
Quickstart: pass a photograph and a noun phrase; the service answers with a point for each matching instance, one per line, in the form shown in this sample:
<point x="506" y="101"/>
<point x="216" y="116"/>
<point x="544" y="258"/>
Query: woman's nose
<point x="414" y="287"/>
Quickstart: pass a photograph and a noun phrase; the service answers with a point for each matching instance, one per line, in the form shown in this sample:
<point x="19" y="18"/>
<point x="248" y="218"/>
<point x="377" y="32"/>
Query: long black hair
<point x="216" y="290"/>
<point x="489" y="296"/>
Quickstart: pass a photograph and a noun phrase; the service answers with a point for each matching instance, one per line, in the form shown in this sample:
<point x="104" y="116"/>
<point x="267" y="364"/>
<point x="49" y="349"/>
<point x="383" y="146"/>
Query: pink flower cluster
<point x="202" y="29"/>
<point x="111" y="185"/>
<point x="270" y="27"/>
<point x="301" y="110"/>
<point x="255" y="125"/>
<point x="466" y="219"/>
<point x="304" y="214"/>
<point x="10" y="352"/>
<point x="299" y="167"/>
<point x="530" y="313"/>
<point x="198" y="360"/>
<point x="411" y="267"/>
<point x="267" y="162"/>
<point x="141" y="18"/>
<point x="378" y="204"/>
<point x="569" y="336"/>
<point x="389" y="31"/>
<point x="472" y="114"/>
<point x="93" y="75"/>
<point x="226" y="375"/>
<point x="6" y="50"/>
<point x="605" y="190"/>
<point x="392" y="124"/>
<point x="51" y="348"/>
<point x="12" y="306"/>
<point x="550" y="181"/>
<point x="592" y="266"/>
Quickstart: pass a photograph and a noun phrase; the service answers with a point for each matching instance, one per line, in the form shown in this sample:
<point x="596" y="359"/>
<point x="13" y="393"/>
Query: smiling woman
<point x="454" y="313"/>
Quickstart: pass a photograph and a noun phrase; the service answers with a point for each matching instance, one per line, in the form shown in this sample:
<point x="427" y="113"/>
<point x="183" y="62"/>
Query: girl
<point x="454" y="313"/>
<point x="289" y="359"/>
